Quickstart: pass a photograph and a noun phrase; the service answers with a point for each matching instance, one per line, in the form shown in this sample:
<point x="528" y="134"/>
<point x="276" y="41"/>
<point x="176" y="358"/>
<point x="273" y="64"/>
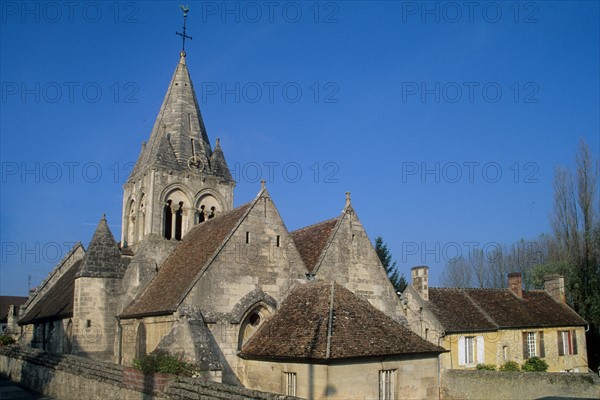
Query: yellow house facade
<point x="493" y="326"/>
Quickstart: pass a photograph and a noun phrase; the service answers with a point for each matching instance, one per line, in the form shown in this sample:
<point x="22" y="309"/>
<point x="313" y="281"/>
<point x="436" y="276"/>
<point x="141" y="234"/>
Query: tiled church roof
<point x="176" y="276"/>
<point x="464" y="310"/>
<point x="308" y="327"/>
<point x="311" y="241"/>
<point x="57" y="302"/>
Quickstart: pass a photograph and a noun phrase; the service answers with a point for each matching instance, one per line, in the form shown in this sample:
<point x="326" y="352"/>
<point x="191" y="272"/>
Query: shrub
<point x="535" y="364"/>
<point x="486" y="367"/>
<point x="510" y="366"/>
<point x="6" y="340"/>
<point x="162" y="363"/>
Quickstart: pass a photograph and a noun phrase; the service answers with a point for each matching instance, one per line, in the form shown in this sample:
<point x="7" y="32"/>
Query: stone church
<point x="308" y="313"/>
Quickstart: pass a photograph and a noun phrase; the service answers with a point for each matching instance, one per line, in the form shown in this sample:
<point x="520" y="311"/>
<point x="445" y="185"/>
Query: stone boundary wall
<point x="73" y="377"/>
<point x="498" y="385"/>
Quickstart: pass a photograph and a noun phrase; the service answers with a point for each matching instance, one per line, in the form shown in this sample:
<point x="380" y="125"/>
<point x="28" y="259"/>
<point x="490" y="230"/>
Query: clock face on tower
<point x="195" y="164"/>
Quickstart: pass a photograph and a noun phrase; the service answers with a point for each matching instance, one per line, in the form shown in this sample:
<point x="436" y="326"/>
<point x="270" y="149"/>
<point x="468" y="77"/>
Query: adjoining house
<point x="493" y="326"/>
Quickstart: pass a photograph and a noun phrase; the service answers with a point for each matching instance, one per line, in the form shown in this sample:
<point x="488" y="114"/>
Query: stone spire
<point x="178" y="140"/>
<point x="102" y="258"/>
<point x="218" y="164"/>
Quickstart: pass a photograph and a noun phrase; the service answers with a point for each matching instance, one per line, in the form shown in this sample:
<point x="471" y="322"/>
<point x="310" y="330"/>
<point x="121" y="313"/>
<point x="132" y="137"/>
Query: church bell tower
<point x="179" y="180"/>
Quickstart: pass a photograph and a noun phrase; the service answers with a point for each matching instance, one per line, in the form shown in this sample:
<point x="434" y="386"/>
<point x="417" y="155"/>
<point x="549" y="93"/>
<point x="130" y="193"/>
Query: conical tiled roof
<point x="218" y="164"/>
<point x="103" y="257"/>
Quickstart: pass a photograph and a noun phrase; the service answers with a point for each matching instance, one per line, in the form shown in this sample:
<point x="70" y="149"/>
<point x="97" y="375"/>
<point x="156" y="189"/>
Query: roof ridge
<point x="315" y="224"/>
<point x="468" y="288"/>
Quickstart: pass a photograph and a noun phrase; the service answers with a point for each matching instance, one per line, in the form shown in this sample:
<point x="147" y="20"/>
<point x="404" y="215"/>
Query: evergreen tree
<point x="398" y="280"/>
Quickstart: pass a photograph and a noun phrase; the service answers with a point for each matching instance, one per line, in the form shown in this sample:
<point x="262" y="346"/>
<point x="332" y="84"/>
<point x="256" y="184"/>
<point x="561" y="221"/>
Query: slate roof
<point x="303" y="330"/>
<point x="178" y="119"/>
<point x="103" y="257"/>
<point x="179" y="271"/>
<point x="311" y="241"/>
<point x="57" y="302"/>
<point x="218" y="164"/>
<point x="466" y="310"/>
<point x="6" y="302"/>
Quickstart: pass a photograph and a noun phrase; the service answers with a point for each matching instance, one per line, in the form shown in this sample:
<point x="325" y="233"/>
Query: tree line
<point x="572" y="249"/>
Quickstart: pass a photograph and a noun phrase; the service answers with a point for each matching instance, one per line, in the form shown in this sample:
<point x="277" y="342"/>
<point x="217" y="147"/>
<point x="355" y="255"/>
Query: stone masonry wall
<point x="517" y="385"/>
<point x="73" y="377"/>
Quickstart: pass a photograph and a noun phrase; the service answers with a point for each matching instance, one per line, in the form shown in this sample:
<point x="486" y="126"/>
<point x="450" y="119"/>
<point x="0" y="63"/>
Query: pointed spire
<point x="102" y="258"/>
<point x="218" y="164"/>
<point x="179" y="129"/>
<point x="348" y="199"/>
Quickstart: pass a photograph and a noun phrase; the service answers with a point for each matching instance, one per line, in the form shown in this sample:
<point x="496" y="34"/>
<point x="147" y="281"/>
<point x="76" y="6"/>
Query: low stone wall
<point x="65" y="376"/>
<point x="498" y="385"/>
<point x="73" y="377"/>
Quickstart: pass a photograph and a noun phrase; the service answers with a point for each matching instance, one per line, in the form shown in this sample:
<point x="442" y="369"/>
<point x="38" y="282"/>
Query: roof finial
<point x="218" y="142"/>
<point x="104" y="217"/>
<point x="347" y="198"/>
<point x="263" y="184"/>
<point x="183" y="35"/>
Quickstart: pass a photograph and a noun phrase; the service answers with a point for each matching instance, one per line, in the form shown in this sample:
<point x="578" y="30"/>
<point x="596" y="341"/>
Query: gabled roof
<point x="6" y="302"/>
<point x="57" y="302"/>
<point x="180" y="270"/>
<point x="323" y="322"/>
<point x="467" y="310"/>
<point x="312" y="240"/>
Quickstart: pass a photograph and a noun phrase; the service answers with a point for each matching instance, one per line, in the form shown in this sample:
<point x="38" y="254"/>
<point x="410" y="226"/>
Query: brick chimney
<point x="515" y="283"/>
<point x="554" y="285"/>
<point x="420" y="280"/>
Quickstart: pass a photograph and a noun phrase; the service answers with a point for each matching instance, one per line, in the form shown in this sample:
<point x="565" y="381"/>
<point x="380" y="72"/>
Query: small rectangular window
<point x="278" y="240"/>
<point x="567" y="343"/>
<point x="247" y="237"/>
<point x="533" y="345"/>
<point x="386" y="384"/>
<point x="290" y="383"/>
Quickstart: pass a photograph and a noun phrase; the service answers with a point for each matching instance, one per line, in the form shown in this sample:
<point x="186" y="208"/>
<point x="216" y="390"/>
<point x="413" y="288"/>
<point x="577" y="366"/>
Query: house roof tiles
<point x="309" y="326"/>
<point x="177" y="275"/>
<point x="464" y="310"/>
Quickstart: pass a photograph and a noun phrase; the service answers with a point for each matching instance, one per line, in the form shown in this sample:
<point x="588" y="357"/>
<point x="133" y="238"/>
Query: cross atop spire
<point x="183" y="35"/>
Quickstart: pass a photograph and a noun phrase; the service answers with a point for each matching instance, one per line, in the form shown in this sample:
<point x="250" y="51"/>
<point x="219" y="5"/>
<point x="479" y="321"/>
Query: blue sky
<point x="445" y="122"/>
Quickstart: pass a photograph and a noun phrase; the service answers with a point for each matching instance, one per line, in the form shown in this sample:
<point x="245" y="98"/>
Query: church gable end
<point x="350" y="260"/>
<point x="259" y="255"/>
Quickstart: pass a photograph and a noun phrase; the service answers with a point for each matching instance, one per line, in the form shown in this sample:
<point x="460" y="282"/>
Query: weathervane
<point x="183" y="35"/>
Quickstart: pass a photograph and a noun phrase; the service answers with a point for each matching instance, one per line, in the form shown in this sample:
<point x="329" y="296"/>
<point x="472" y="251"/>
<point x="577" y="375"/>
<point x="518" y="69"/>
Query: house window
<point x="470" y="350"/>
<point x="533" y="345"/>
<point x="567" y="343"/>
<point x="386" y="384"/>
<point x="290" y="383"/>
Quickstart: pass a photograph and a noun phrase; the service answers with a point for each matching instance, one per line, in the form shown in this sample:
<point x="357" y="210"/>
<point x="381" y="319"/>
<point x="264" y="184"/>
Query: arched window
<point x="167" y="220"/>
<point x="131" y="223"/>
<point x="141" y="225"/>
<point x="176" y="215"/>
<point x="179" y="221"/>
<point x="250" y="324"/>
